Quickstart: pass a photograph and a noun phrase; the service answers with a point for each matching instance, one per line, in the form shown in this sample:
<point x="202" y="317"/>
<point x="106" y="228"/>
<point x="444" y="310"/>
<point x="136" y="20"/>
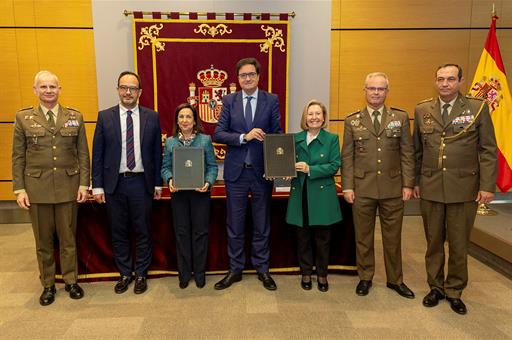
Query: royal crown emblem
<point x="209" y="97"/>
<point x="488" y="89"/>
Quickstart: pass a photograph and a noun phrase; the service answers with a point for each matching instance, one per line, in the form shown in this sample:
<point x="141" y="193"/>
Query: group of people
<point x="449" y="162"/>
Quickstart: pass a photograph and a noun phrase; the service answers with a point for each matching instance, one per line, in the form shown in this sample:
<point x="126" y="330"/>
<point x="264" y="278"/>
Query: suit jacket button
<point x="321" y="187"/>
<point x="444" y="169"/>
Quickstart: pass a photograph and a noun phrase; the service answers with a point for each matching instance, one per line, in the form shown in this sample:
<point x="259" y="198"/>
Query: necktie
<point x="376" y="123"/>
<point x="248" y="113"/>
<point x="445" y="113"/>
<point x="130" y="153"/>
<point x="248" y="122"/>
<point x="51" y="119"/>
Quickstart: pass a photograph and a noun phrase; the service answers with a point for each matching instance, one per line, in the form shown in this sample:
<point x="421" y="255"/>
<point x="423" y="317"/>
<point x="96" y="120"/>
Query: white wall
<point x="309" y="39"/>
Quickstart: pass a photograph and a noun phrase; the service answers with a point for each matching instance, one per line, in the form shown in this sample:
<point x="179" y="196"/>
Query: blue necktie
<point x="248" y="122"/>
<point x="248" y="113"/>
<point x="130" y="152"/>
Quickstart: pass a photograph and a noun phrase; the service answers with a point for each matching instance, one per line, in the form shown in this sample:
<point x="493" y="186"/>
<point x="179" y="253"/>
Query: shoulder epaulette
<point x="426" y="100"/>
<point x="397" y="109"/>
<point x="72" y="109"/>
<point x="353" y="113"/>
<point x="471" y="97"/>
<point x="26" y="108"/>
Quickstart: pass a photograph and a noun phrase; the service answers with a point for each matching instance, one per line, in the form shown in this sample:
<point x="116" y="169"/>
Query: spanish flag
<point x="490" y="83"/>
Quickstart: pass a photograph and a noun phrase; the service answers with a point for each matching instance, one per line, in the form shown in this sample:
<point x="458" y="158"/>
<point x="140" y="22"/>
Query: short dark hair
<point x="124" y="73"/>
<point x="198" y="127"/>
<point x="248" y="61"/>
<point x="459" y="74"/>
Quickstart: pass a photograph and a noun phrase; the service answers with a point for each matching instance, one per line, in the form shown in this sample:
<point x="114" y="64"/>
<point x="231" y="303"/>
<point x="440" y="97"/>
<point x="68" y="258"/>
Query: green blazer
<point x="323" y="157"/>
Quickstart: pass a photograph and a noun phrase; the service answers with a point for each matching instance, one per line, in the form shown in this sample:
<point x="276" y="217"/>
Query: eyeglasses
<point x="250" y="75"/>
<point x="376" y="89"/>
<point x="132" y="89"/>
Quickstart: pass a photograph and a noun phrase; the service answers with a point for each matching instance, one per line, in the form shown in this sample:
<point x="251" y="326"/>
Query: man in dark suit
<point x="50" y="169"/>
<point x="456" y="168"/>
<point x="246" y="117"/>
<point x="126" y="161"/>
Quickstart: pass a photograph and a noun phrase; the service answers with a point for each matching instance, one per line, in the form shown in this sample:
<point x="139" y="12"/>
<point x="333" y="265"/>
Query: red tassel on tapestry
<point x="211" y="16"/>
<point x="157" y="15"/>
<point x="137" y="15"/>
<point x="174" y="15"/>
<point x="283" y="16"/>
<point x="247" y="16"/>
<point x="192" y="15"/>
<point x="230" y="16"/>
<point x="265" y="16"/>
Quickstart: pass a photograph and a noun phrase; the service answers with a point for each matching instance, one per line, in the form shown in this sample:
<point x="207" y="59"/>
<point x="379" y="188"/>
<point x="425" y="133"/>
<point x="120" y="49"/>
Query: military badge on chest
<point x="72" y="121"/>
<point x="462" y="121"/>
<point x="427" y="119"/>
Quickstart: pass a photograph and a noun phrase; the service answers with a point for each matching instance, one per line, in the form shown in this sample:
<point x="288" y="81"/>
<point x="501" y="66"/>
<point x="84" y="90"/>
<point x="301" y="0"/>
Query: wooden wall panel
<point x="409" y="65"/>
<point x="51" y="13"/>
<point x="6" y="154"/>
<point x="9" y="82"/>
<point x="335" y="75"/>
<point x="6" y="191"/>
<point x="6" y="13"/>
<point x="404" y="13"/>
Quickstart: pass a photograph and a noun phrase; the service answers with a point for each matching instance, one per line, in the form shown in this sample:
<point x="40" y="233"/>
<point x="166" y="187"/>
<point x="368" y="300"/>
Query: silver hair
<point x="45" y="73"/>
<point x="376" y="74"/>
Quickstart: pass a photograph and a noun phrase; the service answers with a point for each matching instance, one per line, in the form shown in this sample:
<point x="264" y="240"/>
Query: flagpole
<point x="483" y="209"/>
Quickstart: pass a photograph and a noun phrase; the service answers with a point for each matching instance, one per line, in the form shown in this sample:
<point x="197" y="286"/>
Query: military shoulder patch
<point x="72" y="109"/>
<point x="397" y="109"/>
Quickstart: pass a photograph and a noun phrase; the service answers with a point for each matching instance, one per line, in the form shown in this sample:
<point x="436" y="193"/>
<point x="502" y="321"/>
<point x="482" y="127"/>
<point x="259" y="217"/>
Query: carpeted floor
<point x="247" y="310"/>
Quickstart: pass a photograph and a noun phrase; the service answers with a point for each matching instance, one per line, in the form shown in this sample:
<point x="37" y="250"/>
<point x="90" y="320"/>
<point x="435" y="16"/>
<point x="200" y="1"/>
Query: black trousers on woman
<point x="191" y="215"/>
<point x="313" y="242"/>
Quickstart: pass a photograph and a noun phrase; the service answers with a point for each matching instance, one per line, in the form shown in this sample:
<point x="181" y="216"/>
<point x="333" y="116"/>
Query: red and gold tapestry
<point x="194" y="60"/>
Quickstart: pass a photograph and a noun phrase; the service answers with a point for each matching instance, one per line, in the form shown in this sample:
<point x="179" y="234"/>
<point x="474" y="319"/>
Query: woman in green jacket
<point x="313" y="205"/>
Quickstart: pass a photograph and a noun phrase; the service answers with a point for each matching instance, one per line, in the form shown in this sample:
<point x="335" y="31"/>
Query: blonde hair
<point x="43" y="73"/>
<point x="303" y="120"/>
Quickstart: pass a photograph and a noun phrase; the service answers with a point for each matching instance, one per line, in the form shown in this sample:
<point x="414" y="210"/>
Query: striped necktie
<point x="130" y="152"/>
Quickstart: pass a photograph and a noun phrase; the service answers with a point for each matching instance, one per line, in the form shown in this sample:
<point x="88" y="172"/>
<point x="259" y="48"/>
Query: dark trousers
<point x="313" y="242"/>
<point x="48" y="219"/>
<point x="129" y="208"/>
<point x="237" y="193"/>
<point x="190" y="215"/>
<point x="450" y="222"/>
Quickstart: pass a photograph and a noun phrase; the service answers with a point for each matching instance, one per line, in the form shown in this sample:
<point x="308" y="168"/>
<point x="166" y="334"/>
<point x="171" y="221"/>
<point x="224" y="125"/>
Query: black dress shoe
<point x="401" y="289"/>
<point x="363" y="287"/>
<point x="141" y="285"/>
<point x="457" y="306"/>
<point x="432" y="298"/>
<point x="228" y="280"/>
<point x="323" y="287"/>
<point x="183" y="284"/>
<point x="47" y="296"/>
<point x="268" y="281"/>
<point x="75" y="291"/>
<point x="306" y="285"/>
<point x="200" y="280"/>
<point x="123" y="283"/>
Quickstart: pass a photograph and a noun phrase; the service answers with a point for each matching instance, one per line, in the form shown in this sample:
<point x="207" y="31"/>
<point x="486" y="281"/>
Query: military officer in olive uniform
<point x="378" y="172"/>
<point x="456" y="168"/>
<point x="50" y="168"/>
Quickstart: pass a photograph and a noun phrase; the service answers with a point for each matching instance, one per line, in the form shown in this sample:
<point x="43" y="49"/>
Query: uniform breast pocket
<point x="460" y="127"/>
<point x="361" y="141"/>
<point x="393" y="138"/>
<point x="32" y="135"/>
<point x="427" y="134"/>
<point x="69" y="132"/>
